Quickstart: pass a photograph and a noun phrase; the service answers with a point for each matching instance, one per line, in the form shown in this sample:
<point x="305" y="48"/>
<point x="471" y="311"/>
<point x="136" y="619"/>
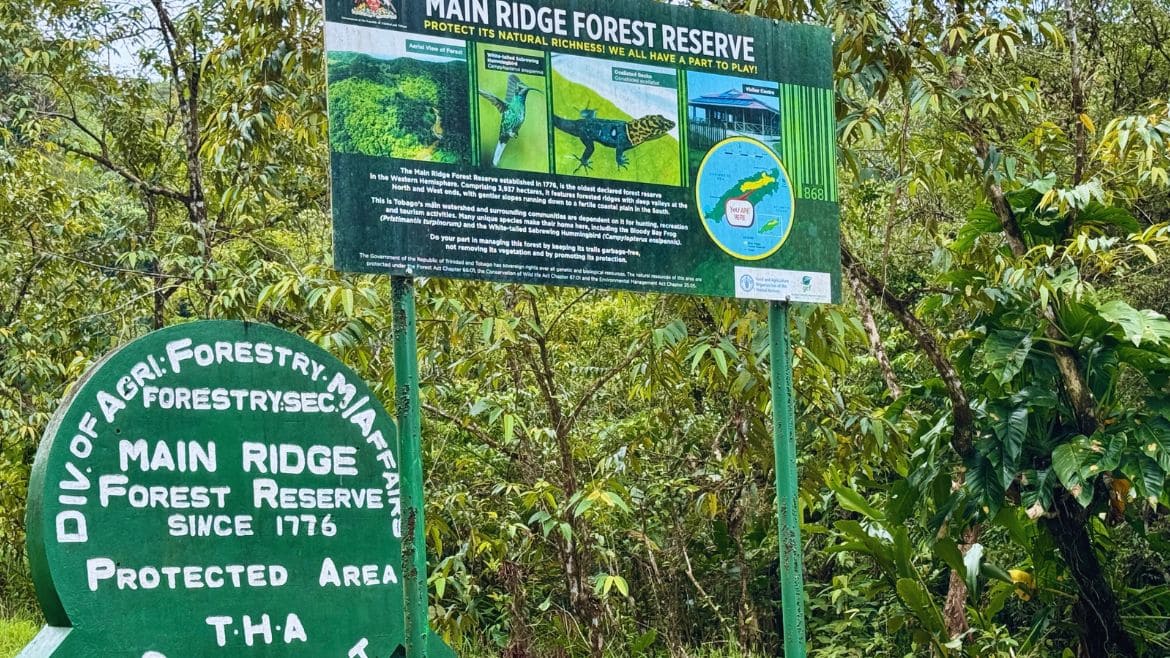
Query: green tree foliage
<point x="1018" y="297"/>
<point x="368" y="120"/>
<point x="983" y="427"/>
<point x="396" y="108"/>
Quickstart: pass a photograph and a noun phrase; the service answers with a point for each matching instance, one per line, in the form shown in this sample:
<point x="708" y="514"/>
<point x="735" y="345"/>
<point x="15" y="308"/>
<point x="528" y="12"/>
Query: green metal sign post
<point x="406" y="396"/>
<point x="787" y="503"/>
<point x="418" y="640"/>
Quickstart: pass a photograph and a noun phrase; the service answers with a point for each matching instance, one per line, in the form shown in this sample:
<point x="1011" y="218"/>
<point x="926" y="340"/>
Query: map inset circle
<point x="744" y="197"/>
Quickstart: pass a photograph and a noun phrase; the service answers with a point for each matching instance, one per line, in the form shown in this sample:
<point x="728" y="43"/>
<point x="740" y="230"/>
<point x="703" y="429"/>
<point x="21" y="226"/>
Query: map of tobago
<point x="752" y="190"/>
<point x="745" y="198"/>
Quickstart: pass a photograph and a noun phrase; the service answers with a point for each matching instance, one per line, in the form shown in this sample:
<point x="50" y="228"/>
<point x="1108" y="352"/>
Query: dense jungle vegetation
<point x="395" y="108"/>
<point x="984" y="424"/>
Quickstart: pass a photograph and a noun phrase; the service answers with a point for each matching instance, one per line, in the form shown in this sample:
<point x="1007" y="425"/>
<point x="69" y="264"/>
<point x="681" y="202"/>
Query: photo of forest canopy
<point x="401" y="108"/>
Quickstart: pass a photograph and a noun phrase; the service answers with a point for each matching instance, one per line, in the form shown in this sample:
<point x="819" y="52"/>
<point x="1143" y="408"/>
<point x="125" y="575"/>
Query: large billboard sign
<point x="634" y="145"/>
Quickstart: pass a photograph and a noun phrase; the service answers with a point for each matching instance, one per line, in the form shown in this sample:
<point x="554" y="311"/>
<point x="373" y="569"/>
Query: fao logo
<point x="747" y="283"/>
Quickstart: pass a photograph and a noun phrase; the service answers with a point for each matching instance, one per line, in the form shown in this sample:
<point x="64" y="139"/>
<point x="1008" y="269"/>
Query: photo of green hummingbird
<point x="513" y="109"/>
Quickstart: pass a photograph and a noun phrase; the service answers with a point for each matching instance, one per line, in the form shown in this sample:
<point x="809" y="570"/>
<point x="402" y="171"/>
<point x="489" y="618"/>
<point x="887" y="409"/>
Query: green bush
<point x="14" y="634"/>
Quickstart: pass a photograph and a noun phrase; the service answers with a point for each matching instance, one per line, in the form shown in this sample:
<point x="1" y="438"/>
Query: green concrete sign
<point x="218" y="489"/>
<point x="641" y="146"/>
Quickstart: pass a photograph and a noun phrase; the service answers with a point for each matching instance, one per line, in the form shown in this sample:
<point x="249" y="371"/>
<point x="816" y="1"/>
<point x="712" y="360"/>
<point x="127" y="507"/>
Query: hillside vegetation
<point x="400" y="108"/>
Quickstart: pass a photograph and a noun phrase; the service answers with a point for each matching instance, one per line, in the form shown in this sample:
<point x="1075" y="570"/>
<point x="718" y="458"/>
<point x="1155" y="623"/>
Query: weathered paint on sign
<point x="218" y="489"/>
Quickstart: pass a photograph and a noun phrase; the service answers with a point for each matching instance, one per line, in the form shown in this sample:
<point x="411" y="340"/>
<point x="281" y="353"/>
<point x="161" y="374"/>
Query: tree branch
<point x="126" y="174"/>
<point x="483" y="436"/>
<point x="596" y="386"/>
<point x="561" y="313"/>
<point x="875" y="338"/>
<point x="963" y="419"/>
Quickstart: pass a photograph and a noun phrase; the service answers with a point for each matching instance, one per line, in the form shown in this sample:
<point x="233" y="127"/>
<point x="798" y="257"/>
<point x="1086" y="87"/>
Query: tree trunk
<point x="519" y="633"/>
<point x="186" y="74"/>
<point x="1095" y="614"/>
<point x="955" y="608"/>
<point x="747" y="624"/>
<point x="575" y="550"/>
<point x="875" y="338"/>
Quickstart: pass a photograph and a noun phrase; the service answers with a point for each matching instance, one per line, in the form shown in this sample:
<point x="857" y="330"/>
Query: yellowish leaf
<point x="1025" y="583"/>
<point x="1087" y="122"/>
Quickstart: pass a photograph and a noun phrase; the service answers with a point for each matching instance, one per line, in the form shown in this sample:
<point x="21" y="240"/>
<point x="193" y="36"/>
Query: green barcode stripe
<point x="809" y="141"/>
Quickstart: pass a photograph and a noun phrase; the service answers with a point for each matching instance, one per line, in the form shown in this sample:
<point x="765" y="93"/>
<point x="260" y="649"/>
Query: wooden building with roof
<point x="715" y="117"/>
